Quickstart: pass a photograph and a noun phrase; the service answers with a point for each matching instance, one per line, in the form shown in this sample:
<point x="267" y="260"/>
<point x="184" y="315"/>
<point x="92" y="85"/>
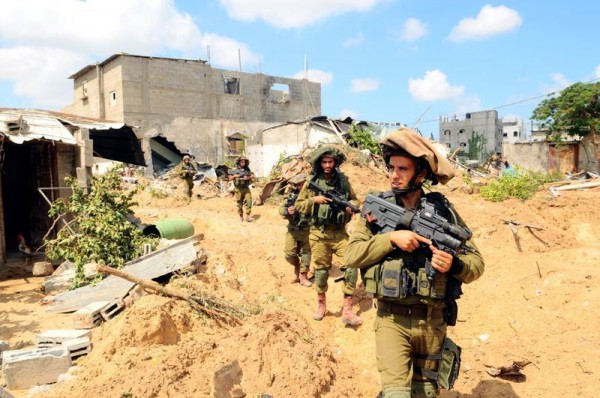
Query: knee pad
<point x="305" y="259"/>
<point x="321" y="276"/>
<point x="350" y="275"/>
<point x="424" y="389"/>
<point x="292" y="259"/>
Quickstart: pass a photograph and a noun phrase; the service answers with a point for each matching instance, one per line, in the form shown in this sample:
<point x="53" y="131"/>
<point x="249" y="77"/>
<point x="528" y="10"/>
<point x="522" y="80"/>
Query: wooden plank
<point x="151" y="266"/>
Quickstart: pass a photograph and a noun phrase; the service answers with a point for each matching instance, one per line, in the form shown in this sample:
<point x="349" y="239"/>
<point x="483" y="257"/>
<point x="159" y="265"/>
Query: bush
<point x="521" y="184"/>
<point x="99" y="230"/>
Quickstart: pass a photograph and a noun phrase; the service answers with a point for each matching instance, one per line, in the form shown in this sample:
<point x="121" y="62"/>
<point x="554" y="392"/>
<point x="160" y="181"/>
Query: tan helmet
<point x="187" y="157"/>
<point x="242" y="158"/>
<point x="315" y="158"/>
<point x="297" y="179"/>
<point x="405" y="141"/>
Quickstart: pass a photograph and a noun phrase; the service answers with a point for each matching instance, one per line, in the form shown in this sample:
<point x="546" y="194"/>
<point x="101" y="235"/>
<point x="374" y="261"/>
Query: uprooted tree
<point x="97" y="228"/>
<point x="575" y="111"/>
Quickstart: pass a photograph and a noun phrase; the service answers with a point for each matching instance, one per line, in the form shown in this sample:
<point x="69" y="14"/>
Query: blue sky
<point x="378" y="60"/>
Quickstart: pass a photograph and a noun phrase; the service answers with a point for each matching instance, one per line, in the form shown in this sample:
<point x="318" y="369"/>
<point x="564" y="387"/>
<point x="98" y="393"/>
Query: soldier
<point x="413" y="311"/>
<point x="187" y="171"/>
<point x="242" y="178"/>
<point x="328" y="234"/>
<point x="297" y="247"/>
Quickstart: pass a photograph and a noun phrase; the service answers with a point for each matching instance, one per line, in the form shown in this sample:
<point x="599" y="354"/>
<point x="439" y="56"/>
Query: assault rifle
<point x="337" y="199"/>
<point x="242" y="172"/>
<point x="290" y="201"/>
<point x="426" y="222"/>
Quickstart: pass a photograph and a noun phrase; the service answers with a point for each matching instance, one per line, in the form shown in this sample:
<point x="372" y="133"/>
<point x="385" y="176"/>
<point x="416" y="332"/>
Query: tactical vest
<point x="297" y="220"/>
<point x="326" y="215"/>
<point x="241" y="182"/>
<point x="402" y="274"/>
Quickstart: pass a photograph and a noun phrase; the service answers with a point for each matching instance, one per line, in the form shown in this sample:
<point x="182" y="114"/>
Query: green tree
<point x="575" y="111"/>
<point x="363" y="139"/>
<point x="99" y="230"/>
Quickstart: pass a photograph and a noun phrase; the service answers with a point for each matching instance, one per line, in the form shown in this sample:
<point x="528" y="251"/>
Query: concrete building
<point x="512" y="129"/>
<point x="478" y="135"/>
<point x="207" y="112"/>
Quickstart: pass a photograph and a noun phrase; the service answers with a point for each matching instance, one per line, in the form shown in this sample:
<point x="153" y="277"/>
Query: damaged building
<point x="187" y="106"/>
<point x="38" y="149"/>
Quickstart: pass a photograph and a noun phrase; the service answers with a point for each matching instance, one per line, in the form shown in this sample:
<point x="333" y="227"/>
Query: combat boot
<point x="295" y="278"/>
<point x="304" y="280"/>
<point x="349" y="317"/>
<point x="321" y="307"/>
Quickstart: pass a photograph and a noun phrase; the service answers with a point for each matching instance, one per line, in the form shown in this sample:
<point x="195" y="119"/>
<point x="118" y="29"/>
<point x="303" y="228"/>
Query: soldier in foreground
<point x="242" y="178"/>
<point x="328" y="234"/>
<point x="297" y="247"/>
<point x="415" y="283"/>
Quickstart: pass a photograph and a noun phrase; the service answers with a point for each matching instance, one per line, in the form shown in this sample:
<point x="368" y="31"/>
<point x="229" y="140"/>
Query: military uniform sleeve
<point x="304" y="203"/>
<point x="364" y="248"/>
<point x="282" y="208"/>
<point x="469" y="266"/>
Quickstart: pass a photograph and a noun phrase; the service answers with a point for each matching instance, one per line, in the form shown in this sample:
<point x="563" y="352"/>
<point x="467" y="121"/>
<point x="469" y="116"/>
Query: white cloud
<point x="41" y="73"/>
<point x="560" y="79"/>
<point x="355" y="40"/>
<point x="315" y="75"/>
<point x="362" y="85"/>
<point x="344" y="113"/>
<point x="60" y="37"/>
<point x="490" y="21"/>
<point x="413" y="29"/>
<point x="292" y="13"/>
<point x="465" y="104"/>
<point x="433" y="86"/>
<point x="597" y="72"/>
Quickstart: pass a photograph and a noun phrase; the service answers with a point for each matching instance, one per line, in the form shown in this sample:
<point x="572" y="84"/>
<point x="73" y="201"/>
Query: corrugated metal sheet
<point x="23" y="125"/>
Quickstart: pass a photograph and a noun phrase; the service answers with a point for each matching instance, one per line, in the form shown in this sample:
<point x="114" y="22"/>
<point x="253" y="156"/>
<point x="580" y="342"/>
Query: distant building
<point x="478" y="135"/>
<point x="204" y="111"/>
<point x="512" y="129"/>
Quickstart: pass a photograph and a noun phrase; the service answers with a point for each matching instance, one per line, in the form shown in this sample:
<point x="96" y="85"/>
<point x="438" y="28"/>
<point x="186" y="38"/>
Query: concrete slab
<point x="28" y="368"/>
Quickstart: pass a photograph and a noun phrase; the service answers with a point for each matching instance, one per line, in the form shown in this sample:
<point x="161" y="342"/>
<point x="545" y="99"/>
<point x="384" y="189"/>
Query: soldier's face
<point x="243" y="163"/>
<point x="327" y="164"/>
<point x="401" y="170"/>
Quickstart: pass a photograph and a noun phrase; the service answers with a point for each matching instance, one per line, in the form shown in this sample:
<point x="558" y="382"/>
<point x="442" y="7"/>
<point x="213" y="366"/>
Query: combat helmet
<point x="408" y="142"/>
<point x="315" y="158"/>
<point x="242" y="158"/>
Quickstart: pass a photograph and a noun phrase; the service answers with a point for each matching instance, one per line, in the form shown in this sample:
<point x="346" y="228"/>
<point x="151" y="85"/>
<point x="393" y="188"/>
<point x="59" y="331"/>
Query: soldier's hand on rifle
<point x="407" y="240"/>
<point x="440" y="261"/>
<point x="321" y="200"/>
<point x="348" y="211"/>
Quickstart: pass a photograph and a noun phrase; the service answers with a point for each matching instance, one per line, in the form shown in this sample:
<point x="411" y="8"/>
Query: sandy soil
<point x="534" y="303"/>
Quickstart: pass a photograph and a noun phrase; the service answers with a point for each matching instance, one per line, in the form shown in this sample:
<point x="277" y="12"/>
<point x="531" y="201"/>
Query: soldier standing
<point x="187" y="171"/>
<point x="297" y="247"/>
<point x="242" y="178"/>
<point x="328" y="234"/>
<point x="414" y="356"/>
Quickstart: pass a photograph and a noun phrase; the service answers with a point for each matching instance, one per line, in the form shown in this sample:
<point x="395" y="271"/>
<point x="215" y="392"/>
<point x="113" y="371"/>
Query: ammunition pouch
<point x="448" y="365"/>
<point x="395" y="279"/>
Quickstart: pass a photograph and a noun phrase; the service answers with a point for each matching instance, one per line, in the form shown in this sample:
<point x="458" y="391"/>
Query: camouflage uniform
<point x="242" y="194"/>
<point x="186" y="171"/>
<point x="328" y="234"/>
<point x="410" y="327"/>
<point x="297" y="247"/>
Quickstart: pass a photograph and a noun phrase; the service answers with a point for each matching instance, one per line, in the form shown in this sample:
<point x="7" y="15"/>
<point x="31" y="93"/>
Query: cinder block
<point x="78" y="347"/>
<point x="27" y="368"/>
<point x="89" y="316"/>
<point x="112" y="309"/>
<point x="52" y="338"/>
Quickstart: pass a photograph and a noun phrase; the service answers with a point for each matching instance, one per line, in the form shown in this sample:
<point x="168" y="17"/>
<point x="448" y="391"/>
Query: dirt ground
<point x="534" y="303"/>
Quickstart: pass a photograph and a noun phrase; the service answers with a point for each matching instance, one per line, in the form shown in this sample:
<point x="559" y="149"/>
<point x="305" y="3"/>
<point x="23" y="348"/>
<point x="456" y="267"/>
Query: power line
<point x="518" y="102"/>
